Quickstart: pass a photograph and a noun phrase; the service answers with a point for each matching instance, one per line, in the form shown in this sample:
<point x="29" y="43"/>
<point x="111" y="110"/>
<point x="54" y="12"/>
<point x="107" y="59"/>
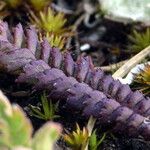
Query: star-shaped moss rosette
<point x="77" y="140"/>
<point x="142" y="80"/>
<point x="58" y="41"/>
<point x="78" y="85"/>
<point x="49" y="21"/>
<point x="51" y="25"/>
<point x="139" y="40"/>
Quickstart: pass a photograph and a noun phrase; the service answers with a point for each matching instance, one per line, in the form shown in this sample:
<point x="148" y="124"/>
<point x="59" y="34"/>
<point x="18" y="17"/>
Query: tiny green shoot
<point x="48" y="110"/>
<point x="94" y="142"/>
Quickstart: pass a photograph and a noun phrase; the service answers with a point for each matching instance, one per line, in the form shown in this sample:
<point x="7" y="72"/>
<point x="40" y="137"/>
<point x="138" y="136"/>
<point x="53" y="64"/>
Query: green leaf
<point x="45" y="105"/>
<point x="15" y="128"/>
<point x="94" y="142"/>
<point x="45" y="137"/>
<point x="21" y="148"/>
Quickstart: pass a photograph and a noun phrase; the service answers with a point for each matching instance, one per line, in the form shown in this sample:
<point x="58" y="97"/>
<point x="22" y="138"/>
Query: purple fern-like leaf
<point x="83" y="70"/>
<point x="48" y="74"/>
<point x="80" y="97"/>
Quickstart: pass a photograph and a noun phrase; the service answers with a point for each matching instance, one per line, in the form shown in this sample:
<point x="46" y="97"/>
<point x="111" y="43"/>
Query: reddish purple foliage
<point x="40" y="66"/>
<point x="83" y="70"/>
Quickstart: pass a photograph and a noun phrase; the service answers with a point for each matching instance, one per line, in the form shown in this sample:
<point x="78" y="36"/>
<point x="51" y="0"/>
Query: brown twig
<point x="112" y="66"/>
<point x="122" y="71"/>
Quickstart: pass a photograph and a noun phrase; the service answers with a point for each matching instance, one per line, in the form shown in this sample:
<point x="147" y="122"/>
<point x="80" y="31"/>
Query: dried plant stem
<point x="112" y="66"/>
<point x="90" y="126"/>
<point x="122" y="71"/>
